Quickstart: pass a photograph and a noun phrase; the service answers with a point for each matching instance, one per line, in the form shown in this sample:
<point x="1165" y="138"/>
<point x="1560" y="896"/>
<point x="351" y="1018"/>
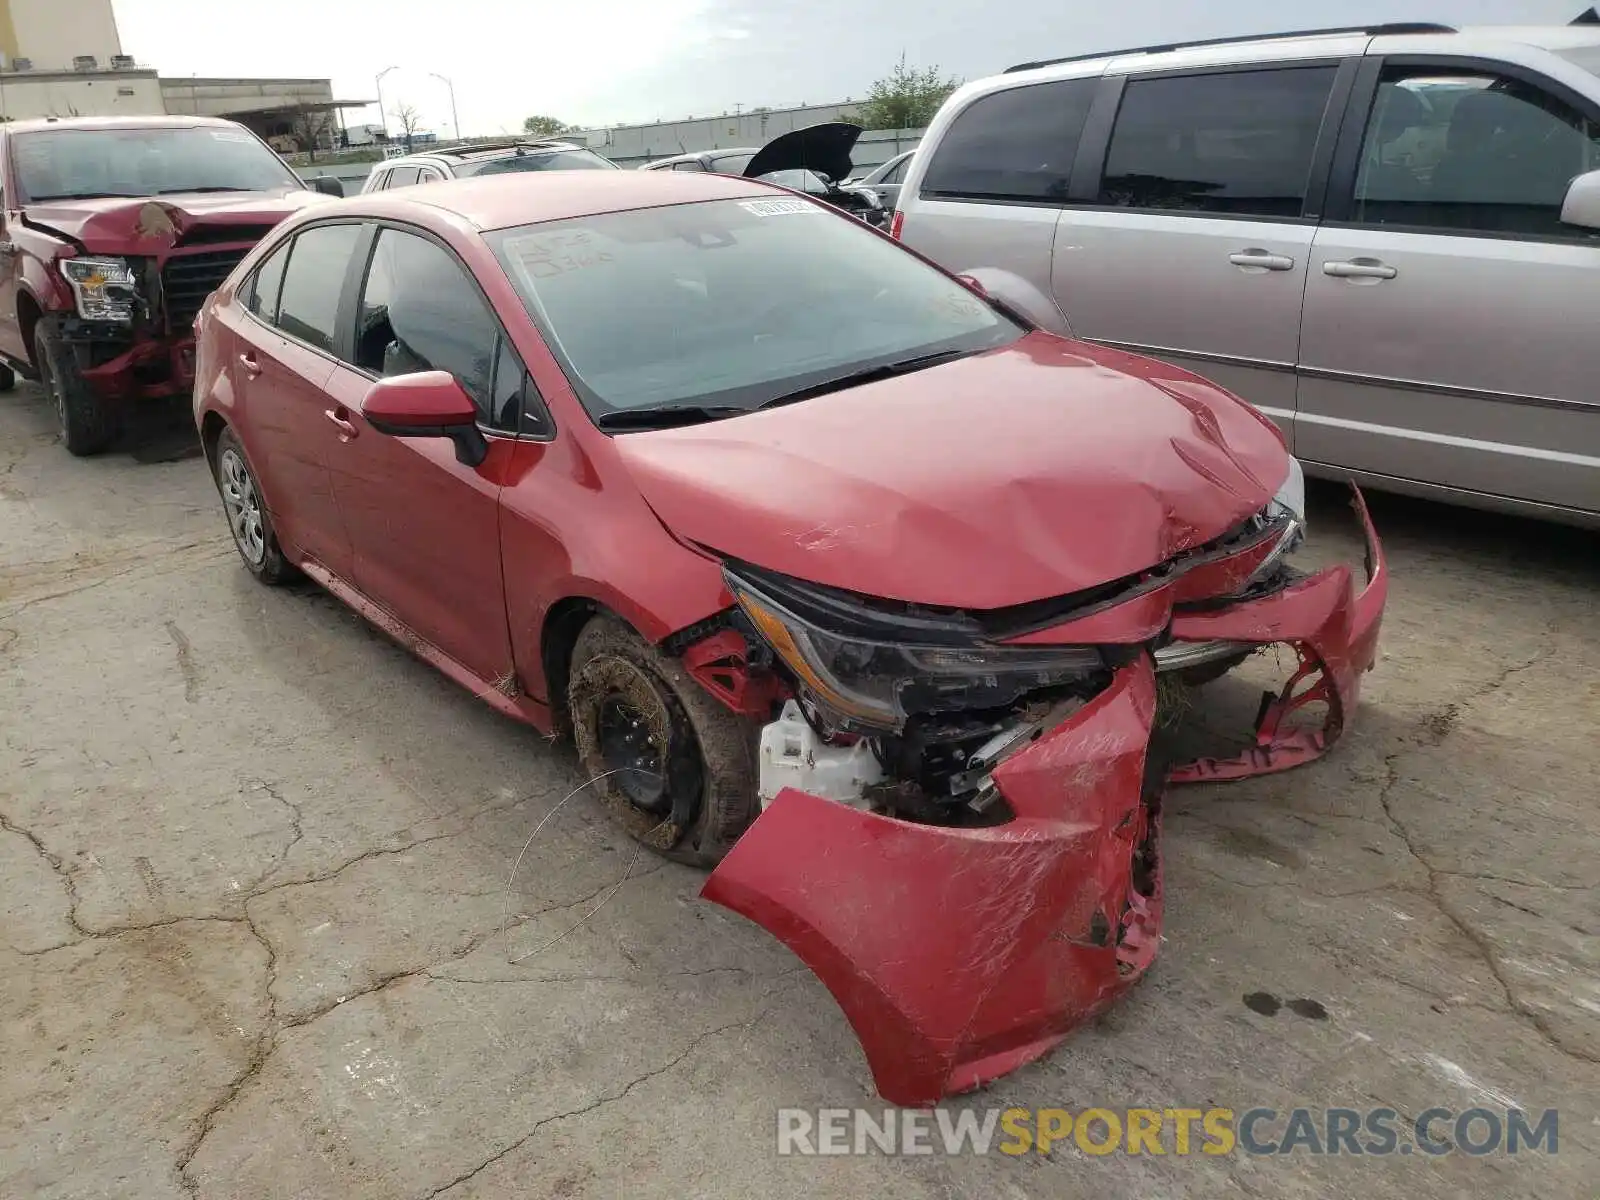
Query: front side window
<point x="308" y="304"/>
<point x="420" y="312"/>
<point x="896" y="173"/>
<point x="402" y="177"/>
<point x="1471" y="153"/>
<point x="537" y="160"/>
<point x="1013" y="145"/>
<point x="731" y="164"/>
<point x="264" y="288"/>
<point x="1238" y="143"/>
<point x="63" y="164"/>
<point x="733" y="303"/>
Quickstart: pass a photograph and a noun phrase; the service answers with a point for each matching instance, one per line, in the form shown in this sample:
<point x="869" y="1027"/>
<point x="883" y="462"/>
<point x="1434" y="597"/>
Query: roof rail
<point x="1367" y="30"/>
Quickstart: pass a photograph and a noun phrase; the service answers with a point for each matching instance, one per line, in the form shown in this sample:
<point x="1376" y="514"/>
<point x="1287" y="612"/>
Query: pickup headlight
<point x="876" y="685"/>
<point x="104" y="288"/>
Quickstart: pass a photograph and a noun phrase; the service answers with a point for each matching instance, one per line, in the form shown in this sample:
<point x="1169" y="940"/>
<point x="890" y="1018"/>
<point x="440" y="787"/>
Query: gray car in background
<point x="1387" y="238"/>
<point x="886" y="178"/>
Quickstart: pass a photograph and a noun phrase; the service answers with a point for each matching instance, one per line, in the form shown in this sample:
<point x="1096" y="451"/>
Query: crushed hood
<point x="148" y="225"/>
<point x="823" y="148"/>
<point x="1025" y="473"/>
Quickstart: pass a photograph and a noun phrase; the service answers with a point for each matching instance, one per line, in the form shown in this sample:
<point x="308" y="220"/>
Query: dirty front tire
<point x="89" y="422"/>
<point x="246" y="511"/>
<point x="8" y="378"/>
<point x="679" y="768"/>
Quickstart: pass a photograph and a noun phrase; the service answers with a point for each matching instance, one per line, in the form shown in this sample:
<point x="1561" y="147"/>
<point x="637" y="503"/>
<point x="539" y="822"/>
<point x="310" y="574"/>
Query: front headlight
<point x="1292" y="495"/>
<point x="876" y="685"/>
<point x="104" y="288"/>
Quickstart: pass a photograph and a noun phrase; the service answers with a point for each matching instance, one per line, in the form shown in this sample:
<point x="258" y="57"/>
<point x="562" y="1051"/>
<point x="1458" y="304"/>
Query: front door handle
<point x="1255" y="260"/>
<point x="1359" y="268"/>
<point x="251" y="367"/>
<point x="347" y="429"/>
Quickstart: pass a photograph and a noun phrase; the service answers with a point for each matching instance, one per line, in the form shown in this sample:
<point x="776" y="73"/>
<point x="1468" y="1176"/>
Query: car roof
<point x="501" y="201"/>
<point x="34" y="123"/>
<point x="467" y="152"/>
<point x="697" y="155"/>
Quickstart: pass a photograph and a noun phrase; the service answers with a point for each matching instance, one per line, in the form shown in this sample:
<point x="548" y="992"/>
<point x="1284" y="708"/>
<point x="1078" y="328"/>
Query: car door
<point x="887" y="185"/>
<point x="283" y="328"/>
<point x="1449" y="332"/>
<point x="11" y="344"/>
<point x="425" y="527"/>
<point x="1193" y="245"/>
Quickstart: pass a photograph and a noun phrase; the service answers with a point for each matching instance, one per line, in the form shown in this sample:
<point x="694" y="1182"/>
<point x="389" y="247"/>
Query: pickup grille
<point x="188" y="279"/>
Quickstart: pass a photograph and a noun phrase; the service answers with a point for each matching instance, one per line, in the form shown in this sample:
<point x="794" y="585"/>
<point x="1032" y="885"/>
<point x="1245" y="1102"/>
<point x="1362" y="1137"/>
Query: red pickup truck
<point x="114" y="231"/>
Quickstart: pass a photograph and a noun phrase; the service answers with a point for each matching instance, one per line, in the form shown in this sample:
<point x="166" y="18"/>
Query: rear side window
<point x="264" y="287"/>
<point x="421" y="312"/>
<point x="1013" y="145"/>
<point x="308" y="307"/>
<point x="1239" y="143"/>
<point x="896" y="173"/>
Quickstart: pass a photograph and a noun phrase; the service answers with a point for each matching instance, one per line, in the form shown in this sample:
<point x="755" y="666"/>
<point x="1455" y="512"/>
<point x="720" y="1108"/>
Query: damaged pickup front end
<point x="962" y="812"/>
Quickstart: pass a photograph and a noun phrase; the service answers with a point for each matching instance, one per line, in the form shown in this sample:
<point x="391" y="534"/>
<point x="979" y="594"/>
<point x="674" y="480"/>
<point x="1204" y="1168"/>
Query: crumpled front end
<point x="960" y="951"/>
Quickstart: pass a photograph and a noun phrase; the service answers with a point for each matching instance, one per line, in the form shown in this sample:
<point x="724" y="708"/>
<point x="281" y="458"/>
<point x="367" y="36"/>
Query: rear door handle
<point x="1359" y="268"/>
<point x="347" y="430"/>
<point x="1261" y="260"/>
<point x="251" y="367"/>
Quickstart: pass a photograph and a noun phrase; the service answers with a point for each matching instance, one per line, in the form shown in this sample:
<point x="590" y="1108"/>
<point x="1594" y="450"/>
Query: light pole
<point x="382" y="115"/>
<point x="453" y="120"/>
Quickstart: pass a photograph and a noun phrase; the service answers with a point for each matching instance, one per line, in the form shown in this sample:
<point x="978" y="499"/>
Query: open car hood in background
<point x="824" y="149"/>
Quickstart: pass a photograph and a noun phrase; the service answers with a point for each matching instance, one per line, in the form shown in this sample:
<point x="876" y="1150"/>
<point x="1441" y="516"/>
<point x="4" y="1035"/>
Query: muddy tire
<point x="89" y="422"/>
<point x="246" y="510"/>
<point x="679" y="768"/>
<point x="8" y="378"/>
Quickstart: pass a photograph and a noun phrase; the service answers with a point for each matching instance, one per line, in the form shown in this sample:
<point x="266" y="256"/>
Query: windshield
<point x="537" y="160"/>
<point x="732" y="303"/>
<point x="57" y="164"/>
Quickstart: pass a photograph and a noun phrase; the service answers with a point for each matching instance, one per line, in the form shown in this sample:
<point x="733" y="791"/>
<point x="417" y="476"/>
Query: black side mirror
<point x="327" y="185"/>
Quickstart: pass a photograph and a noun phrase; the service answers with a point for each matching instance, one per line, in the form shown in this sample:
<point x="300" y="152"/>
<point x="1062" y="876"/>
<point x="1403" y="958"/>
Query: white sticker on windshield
<point x="778" y="208"/>
<point x="228" y="135"/>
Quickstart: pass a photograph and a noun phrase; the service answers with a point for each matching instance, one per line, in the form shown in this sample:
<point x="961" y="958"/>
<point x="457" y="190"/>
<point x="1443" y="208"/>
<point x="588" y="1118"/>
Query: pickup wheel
<point x="248" y="519"/>
<point x="89" y="422"/>
<point x="675" y="769"/>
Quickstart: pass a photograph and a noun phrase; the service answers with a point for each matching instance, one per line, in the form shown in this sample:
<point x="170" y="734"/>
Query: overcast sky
<point x="596" y="62"/>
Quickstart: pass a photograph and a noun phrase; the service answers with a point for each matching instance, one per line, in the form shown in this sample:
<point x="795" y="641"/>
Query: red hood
<point x="149" y="225"/>
<point x="1025" y="473"/>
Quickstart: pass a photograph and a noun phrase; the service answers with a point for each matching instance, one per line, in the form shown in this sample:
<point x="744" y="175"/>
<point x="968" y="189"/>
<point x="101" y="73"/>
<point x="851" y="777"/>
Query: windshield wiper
<point x="207" y="188"/>
<point x="868" y="375"/>
<point x="87" y="196"/>
<point x="666" y="415"/>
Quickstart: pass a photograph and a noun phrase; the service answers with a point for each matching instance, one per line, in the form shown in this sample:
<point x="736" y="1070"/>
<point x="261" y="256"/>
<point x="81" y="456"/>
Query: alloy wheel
<point x="243" y="504"/>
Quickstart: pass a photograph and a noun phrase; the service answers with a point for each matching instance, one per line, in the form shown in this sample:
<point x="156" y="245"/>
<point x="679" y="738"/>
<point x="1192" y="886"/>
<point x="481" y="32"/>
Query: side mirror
<point x="427" y="404"/>
<point x="1582" y="205"/>
<point x="327" y="185"/>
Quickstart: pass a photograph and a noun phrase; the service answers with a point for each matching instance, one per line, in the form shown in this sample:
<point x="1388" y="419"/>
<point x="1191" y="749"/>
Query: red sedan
<point x="843" y="578"/>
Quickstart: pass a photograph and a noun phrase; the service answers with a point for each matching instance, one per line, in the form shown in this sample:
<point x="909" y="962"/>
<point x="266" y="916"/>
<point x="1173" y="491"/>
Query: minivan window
<point x="1013" y="145"/>
<point x="709" y="325"/>
<point x="1471" y="153"/>
<point x="1238" y="143"/>
<point x="420" y="312"/>
<point x="308" y="307"/>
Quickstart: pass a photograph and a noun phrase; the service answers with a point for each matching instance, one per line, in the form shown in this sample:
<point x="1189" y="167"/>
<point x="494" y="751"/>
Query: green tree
<point x="544" y="127"/>
<point x="906" y="98"/>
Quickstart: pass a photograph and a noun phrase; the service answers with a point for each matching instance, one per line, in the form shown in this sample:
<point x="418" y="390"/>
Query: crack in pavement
<point x="186" y="665"/>
<point x="600" y="1101"/>
<point x="1436" y="728"/>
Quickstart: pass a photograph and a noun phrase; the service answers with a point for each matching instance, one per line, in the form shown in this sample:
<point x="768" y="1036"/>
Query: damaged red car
<point x="114" y="231"/>
<point x="844" y="579"/>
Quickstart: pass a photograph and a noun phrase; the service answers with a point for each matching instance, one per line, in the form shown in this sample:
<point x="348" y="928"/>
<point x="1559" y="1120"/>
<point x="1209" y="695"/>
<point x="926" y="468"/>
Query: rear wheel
<point x="89" y="422"/>
<point x="248" y="519"/>
<point x="674" y="767"/>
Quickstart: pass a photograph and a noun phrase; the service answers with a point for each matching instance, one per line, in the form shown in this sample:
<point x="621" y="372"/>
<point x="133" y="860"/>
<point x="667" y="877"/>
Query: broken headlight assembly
<point x="103" y="287"/>
<point x="871" y="672"/>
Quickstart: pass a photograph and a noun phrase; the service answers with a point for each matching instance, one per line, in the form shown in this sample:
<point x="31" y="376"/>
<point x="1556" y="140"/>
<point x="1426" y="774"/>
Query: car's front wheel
<point x="89" y="421"/>
<point x="248" y="519"/>
<point x="673" y="767"/>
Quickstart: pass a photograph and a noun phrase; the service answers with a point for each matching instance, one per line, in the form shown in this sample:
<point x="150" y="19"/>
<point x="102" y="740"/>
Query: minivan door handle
<point x="1359" y="268"/>
<point x="1255" y="260"/>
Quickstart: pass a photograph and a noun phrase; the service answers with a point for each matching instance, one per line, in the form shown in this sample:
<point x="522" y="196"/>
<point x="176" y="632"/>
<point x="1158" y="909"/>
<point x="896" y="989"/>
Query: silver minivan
<point x="1387" y="239"/>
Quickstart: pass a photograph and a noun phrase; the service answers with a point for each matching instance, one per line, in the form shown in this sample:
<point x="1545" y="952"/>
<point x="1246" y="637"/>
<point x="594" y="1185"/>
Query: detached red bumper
<point x="959" y="955"/>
